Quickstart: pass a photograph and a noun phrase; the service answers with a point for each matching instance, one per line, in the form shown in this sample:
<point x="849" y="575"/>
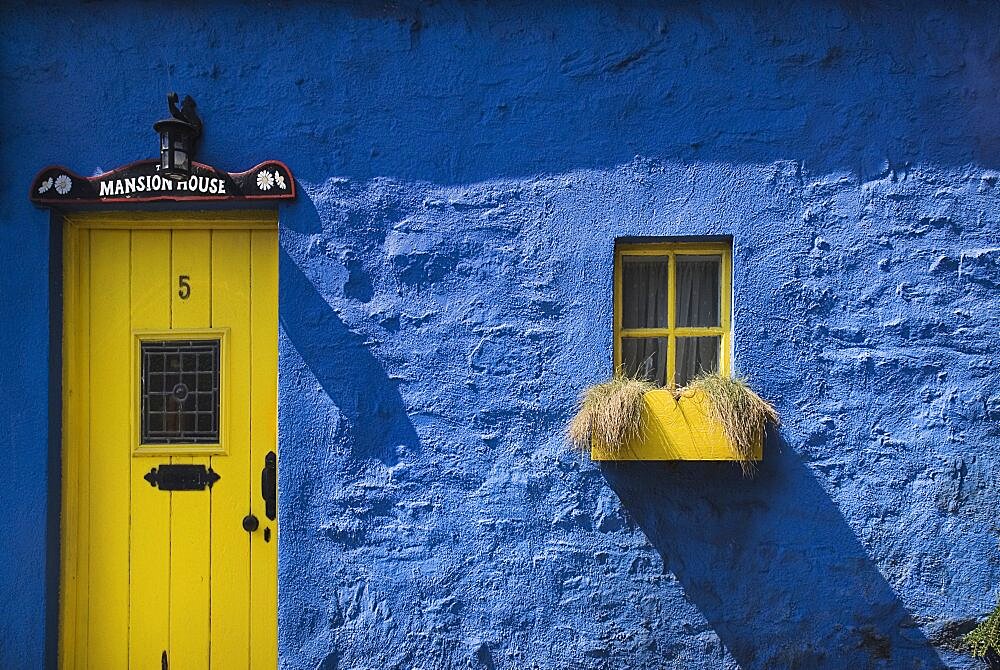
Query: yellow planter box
<point x="676" y="430"/>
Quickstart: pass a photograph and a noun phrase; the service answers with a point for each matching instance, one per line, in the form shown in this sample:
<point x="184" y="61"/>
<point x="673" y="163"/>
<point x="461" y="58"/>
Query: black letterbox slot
<point x="181" y="477"/>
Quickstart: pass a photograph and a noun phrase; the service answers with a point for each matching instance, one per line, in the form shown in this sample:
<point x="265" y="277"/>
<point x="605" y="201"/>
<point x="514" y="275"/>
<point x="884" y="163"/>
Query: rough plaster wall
<point x="452" y="526"/>
<point x="25" y="553"/>
<point x="446" y="293"/>
<point x="23" y="426"/>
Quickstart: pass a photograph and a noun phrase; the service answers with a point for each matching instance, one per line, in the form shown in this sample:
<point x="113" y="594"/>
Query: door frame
<point x="64" y="310"/>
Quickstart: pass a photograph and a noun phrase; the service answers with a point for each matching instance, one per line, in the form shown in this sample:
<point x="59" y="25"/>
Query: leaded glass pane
<point x="180" y="392"/>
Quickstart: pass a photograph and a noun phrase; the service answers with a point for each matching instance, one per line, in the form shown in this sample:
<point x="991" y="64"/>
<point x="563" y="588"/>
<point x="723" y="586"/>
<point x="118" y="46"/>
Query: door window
<point x="180" y="391"/>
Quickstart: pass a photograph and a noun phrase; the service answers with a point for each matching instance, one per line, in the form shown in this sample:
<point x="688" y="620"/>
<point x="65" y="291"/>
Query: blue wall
<point x="446" y="294"/>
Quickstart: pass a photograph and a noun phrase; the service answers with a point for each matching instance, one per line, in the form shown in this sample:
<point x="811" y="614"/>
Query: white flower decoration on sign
<point x="63" y="184"/>
<point x="279" y="179"/>
<point x="45" y="186"/>
<point x="264" y="180"/>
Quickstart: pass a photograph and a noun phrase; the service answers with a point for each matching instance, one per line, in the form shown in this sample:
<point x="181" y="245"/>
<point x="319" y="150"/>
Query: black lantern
<point x="178" y="138"/>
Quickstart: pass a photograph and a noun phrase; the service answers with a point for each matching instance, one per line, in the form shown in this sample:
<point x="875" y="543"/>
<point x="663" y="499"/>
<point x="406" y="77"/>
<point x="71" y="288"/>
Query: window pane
<point x="644" y="291"/>
<point x="696" y="355"/>
<point x="698" y="291"/>
<point x="646" y="358"/>
<point x="180" y="391"/>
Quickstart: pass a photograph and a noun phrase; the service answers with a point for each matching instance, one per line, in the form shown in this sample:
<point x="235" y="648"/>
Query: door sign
<point x="143" y="182"/>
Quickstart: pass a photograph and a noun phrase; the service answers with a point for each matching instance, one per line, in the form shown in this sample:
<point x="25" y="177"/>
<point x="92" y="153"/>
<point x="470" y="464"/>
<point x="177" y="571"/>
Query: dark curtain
<point x="697" y="306"/>
<point x="644" y="298"/>
<point x="646" y="357"/>
<point x="644" y="292"/>
<point x="644" y="305"/>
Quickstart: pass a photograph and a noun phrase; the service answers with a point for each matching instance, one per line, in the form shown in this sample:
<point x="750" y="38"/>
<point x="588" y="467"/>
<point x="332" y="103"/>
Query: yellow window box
<point x="675" y="430"/>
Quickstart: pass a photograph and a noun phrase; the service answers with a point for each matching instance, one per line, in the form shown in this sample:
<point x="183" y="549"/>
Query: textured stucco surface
<point x="446" y="293"/>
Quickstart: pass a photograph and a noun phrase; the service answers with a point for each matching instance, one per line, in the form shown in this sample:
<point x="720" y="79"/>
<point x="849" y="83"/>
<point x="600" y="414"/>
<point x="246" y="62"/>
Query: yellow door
<point x="169" y="538"/>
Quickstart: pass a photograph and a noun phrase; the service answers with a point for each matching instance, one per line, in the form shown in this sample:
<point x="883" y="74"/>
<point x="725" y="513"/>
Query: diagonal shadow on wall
<point x="800" y="591"/>
<point x="370" y="403"/>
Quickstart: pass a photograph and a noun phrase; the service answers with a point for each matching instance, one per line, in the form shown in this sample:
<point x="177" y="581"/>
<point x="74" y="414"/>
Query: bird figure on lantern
<point x="178" y="137"/>
<point x="186" y="112"/>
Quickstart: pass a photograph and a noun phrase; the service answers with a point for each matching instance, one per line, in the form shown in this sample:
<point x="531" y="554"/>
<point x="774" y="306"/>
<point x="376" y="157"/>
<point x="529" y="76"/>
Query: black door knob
<point x="250" y="523"/>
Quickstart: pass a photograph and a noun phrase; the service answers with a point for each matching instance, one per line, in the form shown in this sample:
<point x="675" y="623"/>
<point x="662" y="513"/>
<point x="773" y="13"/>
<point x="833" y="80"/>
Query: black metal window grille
<point x="180" y="392"/>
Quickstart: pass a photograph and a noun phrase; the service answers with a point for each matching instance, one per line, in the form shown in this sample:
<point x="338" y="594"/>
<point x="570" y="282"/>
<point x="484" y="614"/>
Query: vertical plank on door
<point x="190" y="520"/>
<point x="231" y="495"/>
<point x="149" y="562"/>
<point x="264" y="408"/>
<point x="82" y="435"/>
<point x="72" y="377"/>
<point x="107" y="639"/>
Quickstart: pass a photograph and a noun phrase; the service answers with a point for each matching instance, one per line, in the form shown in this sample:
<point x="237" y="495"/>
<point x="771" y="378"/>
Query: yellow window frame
<point x="672" y="250"/>
<point x="220" y="448"/>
